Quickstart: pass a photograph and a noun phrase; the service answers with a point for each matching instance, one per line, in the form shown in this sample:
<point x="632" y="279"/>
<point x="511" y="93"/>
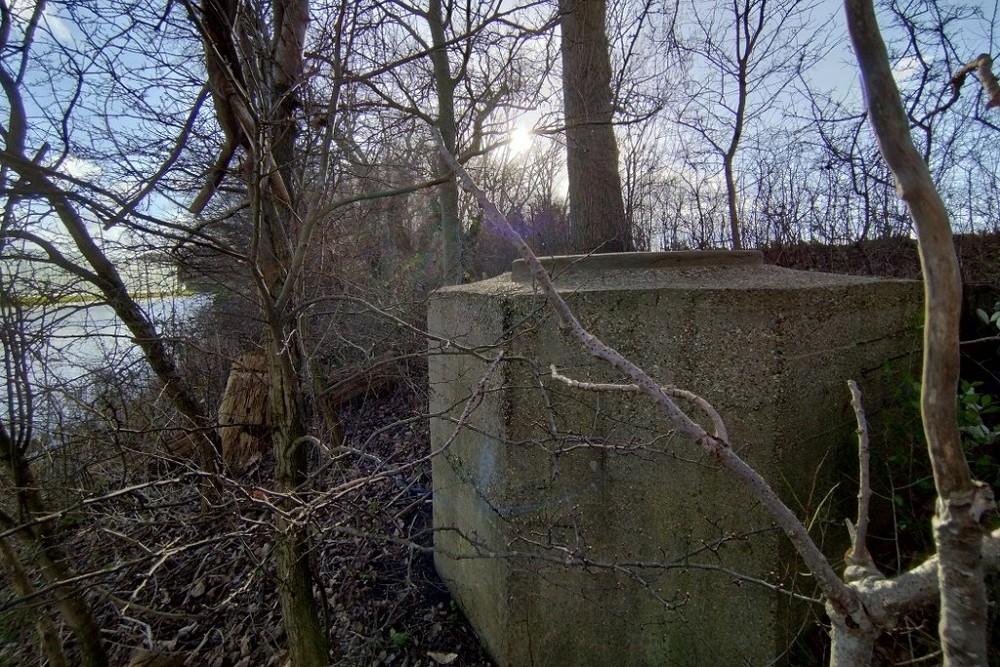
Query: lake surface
<point x="77" y="349"/>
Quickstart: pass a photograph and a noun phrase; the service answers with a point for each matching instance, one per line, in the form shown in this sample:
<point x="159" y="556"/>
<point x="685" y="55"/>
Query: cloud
<point x="80" y="168"/>
<point x="60" y="29"/>
<point x="907" y="68"/>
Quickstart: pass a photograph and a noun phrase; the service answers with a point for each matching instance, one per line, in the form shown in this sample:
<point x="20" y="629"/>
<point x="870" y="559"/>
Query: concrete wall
<point x="575" y="528"/>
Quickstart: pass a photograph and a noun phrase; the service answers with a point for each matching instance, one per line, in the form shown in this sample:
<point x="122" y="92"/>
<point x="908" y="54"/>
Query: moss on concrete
<point x="661" y="545"/>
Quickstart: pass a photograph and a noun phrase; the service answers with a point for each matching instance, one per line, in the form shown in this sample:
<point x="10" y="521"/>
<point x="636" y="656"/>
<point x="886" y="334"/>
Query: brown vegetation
<point x="892" y="257"/>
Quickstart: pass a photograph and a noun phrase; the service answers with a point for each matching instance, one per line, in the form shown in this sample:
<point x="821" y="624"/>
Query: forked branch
<point x="718" y="425"/>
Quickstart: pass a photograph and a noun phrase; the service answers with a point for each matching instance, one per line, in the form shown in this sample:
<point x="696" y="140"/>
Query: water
<point x="75" y="351"/>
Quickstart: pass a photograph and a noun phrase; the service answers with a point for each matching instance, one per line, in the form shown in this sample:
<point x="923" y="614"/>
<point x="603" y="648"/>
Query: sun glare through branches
<point x="522" y="138"/>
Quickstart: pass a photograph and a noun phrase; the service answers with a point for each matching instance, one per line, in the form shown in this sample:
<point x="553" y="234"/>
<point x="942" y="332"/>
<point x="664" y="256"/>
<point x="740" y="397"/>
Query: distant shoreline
<point x="90" y="299"/>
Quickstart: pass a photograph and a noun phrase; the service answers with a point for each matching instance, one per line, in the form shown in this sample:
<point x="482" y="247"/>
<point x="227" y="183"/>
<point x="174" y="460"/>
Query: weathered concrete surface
<point x="661" y="544"/>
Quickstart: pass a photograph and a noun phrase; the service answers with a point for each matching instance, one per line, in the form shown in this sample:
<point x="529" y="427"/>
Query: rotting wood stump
<point x="244" y="415"/>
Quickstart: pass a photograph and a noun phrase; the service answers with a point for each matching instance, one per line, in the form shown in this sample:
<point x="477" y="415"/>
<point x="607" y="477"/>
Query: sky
<point x="836" y="73"/>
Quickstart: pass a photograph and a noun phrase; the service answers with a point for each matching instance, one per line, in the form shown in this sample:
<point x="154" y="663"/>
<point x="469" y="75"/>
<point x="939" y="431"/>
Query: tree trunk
<point x="452" y="272"/>
<point x="747" y="34"/>
<point x="729" y="171"/>
<point x="48" y="636"/>
<point x="50" y="555"/>
<point x="72" y="607"/>
<point x="962" y="502"/>
<point x="851" y="644"/>
<point x="596" y="206"/>
<point x="277" y="230"/>
<point x="307" y="642"/>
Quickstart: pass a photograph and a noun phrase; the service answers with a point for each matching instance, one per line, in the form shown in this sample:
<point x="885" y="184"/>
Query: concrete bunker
<point x="572" y="527"/>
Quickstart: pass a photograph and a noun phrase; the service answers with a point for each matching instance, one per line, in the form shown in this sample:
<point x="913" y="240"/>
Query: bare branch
<point x="718" y="424"/>
<point x="983" y="67"/>
<point x="859" y="556"/>
<point x="962" y="501"/>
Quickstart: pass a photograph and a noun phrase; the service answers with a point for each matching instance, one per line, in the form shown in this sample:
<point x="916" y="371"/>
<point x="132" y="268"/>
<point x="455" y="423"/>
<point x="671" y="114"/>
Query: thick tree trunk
<point x="596" y="206"/>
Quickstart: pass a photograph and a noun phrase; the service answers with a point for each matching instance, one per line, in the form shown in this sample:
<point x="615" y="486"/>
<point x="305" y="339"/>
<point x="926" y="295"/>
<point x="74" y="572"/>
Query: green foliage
<point x="913" y="491"/>
<point x="991" y="320"/>
<point x="977" y="435"/>
<point x="911" y="482"/>
<point x="399" y="638"/>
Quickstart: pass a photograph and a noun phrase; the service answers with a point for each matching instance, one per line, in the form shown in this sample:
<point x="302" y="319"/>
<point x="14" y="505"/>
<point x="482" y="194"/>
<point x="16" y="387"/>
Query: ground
<point x="197" y="583"/>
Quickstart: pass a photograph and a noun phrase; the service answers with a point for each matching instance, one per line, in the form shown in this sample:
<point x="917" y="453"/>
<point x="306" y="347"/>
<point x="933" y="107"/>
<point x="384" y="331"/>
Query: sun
<point x="522" y="138"/>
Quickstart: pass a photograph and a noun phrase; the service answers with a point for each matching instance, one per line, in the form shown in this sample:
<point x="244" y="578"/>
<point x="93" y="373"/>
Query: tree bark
<point x="851" y="644"/>
<point x="51" y="558"/>
<point x="596" y="206"/>
<point x="307" y="642"/>
<point x="452" y="271"/>
<point x="962" y="502"/>
<point x="48" y="635"/>
<point x="274" y="201"/>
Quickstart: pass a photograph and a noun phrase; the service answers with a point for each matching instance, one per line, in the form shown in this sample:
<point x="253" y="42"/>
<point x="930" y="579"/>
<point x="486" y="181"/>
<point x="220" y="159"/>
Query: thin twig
<point x="718" y="425"/>
<point x="859" y="555"/>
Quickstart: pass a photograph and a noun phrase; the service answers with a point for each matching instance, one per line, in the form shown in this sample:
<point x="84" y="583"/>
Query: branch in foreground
<point x="843" y="599"/>
<point x="983" y="67"/>
<point x="962" y="501"/>
<point x="859" y="556"/>
<point x="717" y="423"/>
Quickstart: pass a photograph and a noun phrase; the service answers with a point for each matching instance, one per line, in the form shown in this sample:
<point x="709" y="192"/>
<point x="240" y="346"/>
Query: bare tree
<point x="927" y="42"/>
<point x="445" y="83"/>
<point x="33" y="185"/>
<point x="255" y="64"/>
<point x="745" y="57"/>
<point x="463" y="69"/>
